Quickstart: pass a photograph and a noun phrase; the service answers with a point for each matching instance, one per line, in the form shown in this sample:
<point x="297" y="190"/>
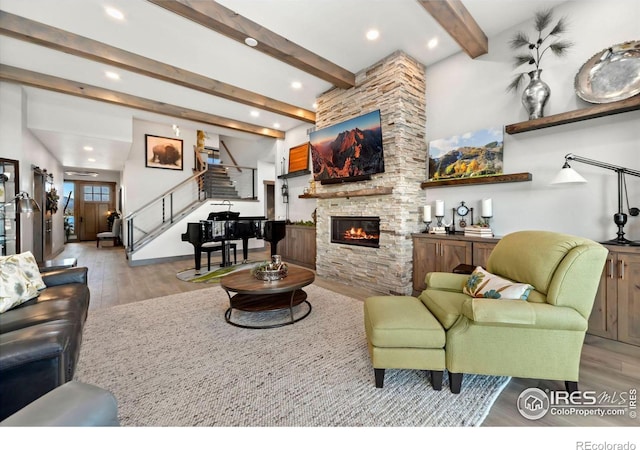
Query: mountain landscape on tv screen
<point x="352" y="153"/>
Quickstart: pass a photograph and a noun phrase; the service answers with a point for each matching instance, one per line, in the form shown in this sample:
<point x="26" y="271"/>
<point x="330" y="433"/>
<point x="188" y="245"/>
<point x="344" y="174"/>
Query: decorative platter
<point x="610" y="75"/>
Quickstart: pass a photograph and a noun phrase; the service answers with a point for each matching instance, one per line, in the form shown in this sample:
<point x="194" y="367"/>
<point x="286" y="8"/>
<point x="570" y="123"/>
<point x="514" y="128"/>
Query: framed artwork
<point x="299" y="158"/>
<point x="163" y="152"/>
<point x="473" y="154"/>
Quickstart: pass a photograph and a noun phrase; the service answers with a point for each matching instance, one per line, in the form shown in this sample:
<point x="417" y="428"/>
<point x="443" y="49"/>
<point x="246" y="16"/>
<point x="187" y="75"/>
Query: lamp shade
<point x="568" y="175"/>
<point x="25" y="204"/>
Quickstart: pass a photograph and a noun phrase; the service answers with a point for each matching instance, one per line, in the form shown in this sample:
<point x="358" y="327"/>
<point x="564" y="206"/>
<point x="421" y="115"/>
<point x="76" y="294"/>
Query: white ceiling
<point x="333" y="29"/>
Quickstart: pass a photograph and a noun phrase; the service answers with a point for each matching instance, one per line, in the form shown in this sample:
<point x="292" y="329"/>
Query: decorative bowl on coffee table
<point x="268" y="272"/>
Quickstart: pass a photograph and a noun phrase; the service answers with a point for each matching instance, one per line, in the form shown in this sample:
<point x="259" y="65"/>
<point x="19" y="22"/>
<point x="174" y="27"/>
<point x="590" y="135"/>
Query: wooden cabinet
<point x="442" y="253"/>
<point x="616" y="311"/>
<point x="481" y="252"/>
<point x="299" y="246"/>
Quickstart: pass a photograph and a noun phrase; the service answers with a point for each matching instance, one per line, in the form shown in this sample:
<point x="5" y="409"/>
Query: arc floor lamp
<point x="568" y="175"/>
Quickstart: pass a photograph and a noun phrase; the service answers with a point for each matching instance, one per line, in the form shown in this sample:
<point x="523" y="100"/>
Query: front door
<point x="95" y="201"/>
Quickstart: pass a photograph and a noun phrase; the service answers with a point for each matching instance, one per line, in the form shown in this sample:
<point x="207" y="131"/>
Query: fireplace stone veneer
<point x="396" y="85"/>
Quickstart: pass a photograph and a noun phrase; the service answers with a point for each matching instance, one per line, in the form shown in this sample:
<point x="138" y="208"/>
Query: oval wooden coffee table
<point x="253" y="295"/>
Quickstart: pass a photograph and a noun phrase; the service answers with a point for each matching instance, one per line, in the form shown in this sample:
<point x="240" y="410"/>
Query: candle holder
<point x="486" y="219"/>
<point x="439" y="220"/>
<point x="427" y="223"/>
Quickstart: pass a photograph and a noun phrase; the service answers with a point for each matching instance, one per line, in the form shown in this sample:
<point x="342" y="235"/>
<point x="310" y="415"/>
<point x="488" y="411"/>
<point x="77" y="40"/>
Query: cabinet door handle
<point x="610" y="274"/>
<point x="621" y="269"/>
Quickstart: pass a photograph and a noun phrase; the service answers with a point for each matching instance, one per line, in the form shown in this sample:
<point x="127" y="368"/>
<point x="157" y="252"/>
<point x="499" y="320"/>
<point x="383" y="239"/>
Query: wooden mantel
<point x="347" y="194"/>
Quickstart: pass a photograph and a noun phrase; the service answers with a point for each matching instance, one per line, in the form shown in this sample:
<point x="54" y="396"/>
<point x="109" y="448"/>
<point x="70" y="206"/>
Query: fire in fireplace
<point x="354" y="230"/>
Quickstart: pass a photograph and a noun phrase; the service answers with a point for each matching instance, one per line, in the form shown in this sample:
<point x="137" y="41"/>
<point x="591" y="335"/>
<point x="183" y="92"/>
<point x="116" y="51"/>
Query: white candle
<point x="427" y="213"/>
<point x="439" y="208"/>
<point x="487" y="210"/>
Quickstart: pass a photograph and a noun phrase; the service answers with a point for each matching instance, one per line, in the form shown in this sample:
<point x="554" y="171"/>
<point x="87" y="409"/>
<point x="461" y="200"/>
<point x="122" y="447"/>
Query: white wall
<point x="37" y="155"/>
<point x="12" y="120"/>
<point x="299" y="208"/>
<point x="465" y="95"/>
<point x="142" y="186"/>
<point x="17" y="142"/>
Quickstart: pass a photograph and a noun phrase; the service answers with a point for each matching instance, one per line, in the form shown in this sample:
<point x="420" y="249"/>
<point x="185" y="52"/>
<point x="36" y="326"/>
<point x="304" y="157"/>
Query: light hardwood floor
<point x="607" y="366"/>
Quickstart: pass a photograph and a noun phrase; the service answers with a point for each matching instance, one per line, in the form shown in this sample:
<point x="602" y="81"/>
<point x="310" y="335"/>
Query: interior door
<point x="95" y="201"/>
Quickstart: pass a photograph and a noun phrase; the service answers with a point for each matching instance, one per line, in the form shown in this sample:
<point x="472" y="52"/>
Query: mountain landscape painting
<point x="349" y="149"/>
<point x="472" y="154"/>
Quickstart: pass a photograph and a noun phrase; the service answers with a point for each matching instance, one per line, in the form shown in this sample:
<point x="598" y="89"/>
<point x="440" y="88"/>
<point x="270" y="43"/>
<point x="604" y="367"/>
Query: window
<point x="96" y="193"/>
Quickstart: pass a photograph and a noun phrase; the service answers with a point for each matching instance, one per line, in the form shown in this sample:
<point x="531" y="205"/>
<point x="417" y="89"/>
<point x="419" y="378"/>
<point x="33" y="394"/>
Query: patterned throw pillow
<point x="20" y="280"/>
<point x="15" y="287"/>
<point x="482" y="284"/>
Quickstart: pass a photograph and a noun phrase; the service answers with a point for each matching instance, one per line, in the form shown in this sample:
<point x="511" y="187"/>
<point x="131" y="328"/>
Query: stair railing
<point x="244" y="181"/>
<point x="160" y="213"/>
<point x="163" y="210"/>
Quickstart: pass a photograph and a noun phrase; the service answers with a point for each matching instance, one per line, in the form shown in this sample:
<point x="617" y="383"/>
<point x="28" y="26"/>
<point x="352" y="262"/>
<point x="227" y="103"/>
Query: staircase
<point x="217" y="183"/>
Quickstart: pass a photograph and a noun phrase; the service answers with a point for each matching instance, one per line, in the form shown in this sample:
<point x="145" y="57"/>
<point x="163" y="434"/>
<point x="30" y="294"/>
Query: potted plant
<point x="536" y="94"/>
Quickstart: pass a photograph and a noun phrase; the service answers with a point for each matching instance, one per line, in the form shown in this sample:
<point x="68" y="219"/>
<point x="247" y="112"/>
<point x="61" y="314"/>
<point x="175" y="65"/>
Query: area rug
<point x="174" y="361"/>
<point x="215" y="274"/>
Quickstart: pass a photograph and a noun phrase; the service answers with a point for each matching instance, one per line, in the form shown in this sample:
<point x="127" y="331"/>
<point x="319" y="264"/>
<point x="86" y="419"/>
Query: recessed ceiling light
<point x="276" y="125"/>
<point x="433" y="43"/>
<point x="251" y="42"/>
<point x="315" y="106"/>
<point x="115" y="13"/>
<point x="254" y="113"/>
<point x="296" y="85"/>
<point x="112" y="75"/>
<point x="88" y="148"/>
<point x="373" y="34"/>
<point x="91" y="160"/>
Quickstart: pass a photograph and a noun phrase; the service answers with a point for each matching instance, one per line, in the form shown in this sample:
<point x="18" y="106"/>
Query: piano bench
<point x="216" y="248"/>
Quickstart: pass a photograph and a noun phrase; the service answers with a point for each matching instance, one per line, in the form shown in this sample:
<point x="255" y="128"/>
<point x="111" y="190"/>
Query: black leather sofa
<point x="40" y="339"/>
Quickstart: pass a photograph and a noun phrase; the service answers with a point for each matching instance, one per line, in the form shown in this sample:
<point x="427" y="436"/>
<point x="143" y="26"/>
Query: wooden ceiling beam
<point x="54" y="38"/>
<point x="218" y="18"/>
<point x="78" y="89"/>
<point x="461" y="26"/>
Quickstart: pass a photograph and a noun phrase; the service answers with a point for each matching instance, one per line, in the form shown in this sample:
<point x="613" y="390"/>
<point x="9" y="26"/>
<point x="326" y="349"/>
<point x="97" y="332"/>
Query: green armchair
<point x="540" y="337"/>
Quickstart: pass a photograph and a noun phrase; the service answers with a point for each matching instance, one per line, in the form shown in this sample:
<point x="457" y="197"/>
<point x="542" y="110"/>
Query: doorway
<point x="270" y="203"/>
<point x="94" y="201"/>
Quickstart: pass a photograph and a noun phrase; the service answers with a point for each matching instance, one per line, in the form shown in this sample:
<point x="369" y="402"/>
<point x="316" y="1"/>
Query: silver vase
<point x="535" y="95"/>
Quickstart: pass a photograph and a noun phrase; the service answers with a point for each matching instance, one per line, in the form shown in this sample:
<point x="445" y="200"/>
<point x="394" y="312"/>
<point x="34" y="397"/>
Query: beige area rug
<point x="174" y="361"/>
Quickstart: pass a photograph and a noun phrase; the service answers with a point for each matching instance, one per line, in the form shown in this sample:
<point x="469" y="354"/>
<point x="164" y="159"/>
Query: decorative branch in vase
<point x="536" y="94"/>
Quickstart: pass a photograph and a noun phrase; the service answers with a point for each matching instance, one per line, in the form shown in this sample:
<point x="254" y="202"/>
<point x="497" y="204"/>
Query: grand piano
<point x="227" y="226"/>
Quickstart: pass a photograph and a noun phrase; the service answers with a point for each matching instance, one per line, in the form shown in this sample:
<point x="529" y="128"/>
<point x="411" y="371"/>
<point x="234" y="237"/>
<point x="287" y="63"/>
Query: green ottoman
<point x="403" y="334"/>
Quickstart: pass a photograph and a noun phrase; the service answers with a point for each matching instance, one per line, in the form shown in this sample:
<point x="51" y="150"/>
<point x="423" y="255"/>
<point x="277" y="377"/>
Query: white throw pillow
<point x="16" y="287"/>
<point x="20" y="280"/>
<point x="482" y="284"/>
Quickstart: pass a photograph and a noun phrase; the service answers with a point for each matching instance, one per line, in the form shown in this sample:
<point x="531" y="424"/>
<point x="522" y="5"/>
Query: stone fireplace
<point x="361" y="231"/>
<point x="395" y="86"/>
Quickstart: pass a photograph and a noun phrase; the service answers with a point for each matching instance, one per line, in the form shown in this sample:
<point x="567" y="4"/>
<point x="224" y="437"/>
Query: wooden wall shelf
<point x="298" y="173"/>
<point x="592" y="112"/>
<point x="347" y="194"/>
<point x="510" y="178"/>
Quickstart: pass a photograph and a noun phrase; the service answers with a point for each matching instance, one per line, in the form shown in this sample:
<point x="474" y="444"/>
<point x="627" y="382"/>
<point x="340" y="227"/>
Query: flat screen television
<point x="348" y="151"/>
